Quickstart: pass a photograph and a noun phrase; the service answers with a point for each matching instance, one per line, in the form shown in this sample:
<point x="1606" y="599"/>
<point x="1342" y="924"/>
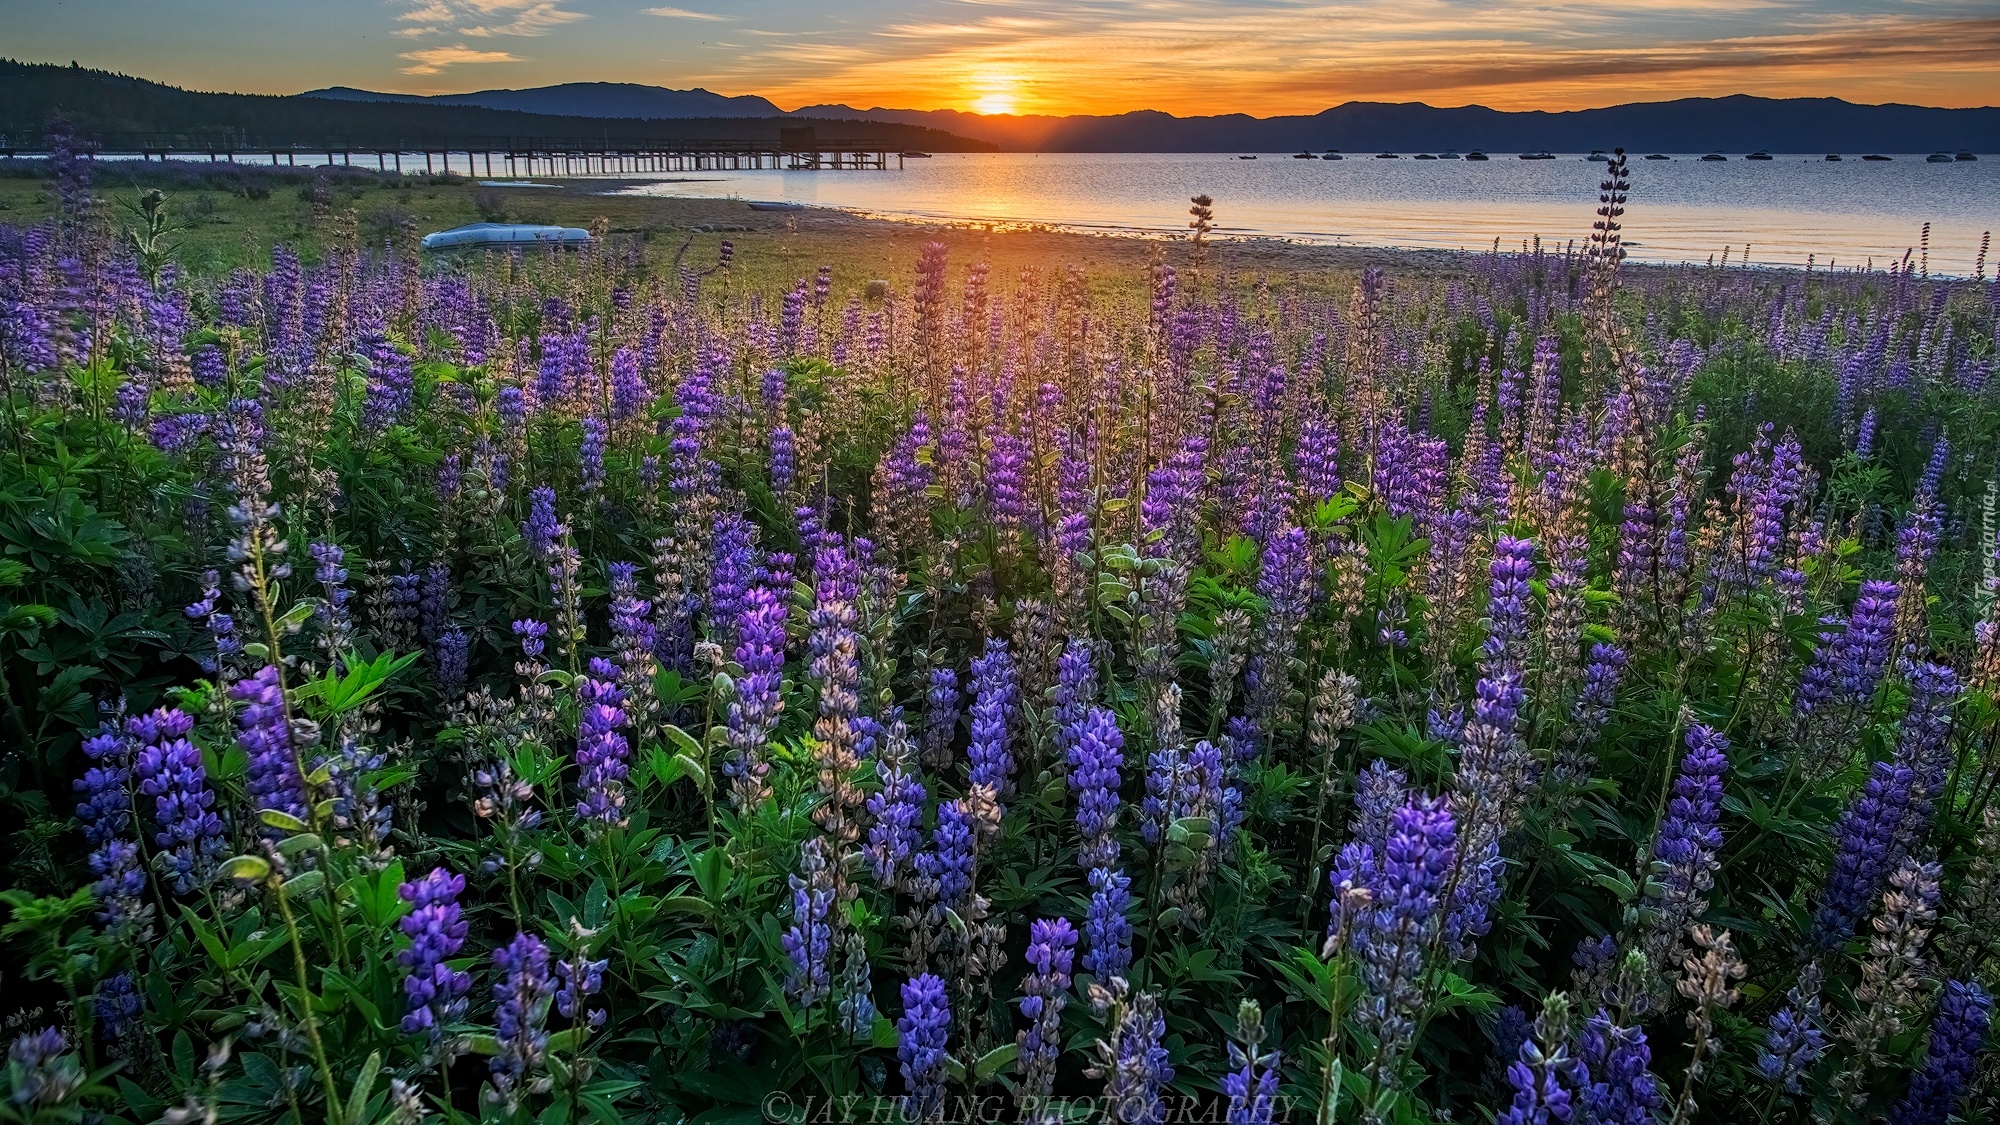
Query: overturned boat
<point x="501" y="234"/>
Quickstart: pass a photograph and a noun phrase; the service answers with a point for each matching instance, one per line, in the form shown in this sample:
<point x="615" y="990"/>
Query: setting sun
<point x="995" y="94"/>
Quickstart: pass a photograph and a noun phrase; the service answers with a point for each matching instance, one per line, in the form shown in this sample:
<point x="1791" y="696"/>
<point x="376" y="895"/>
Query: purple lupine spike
<point x="991" y="756"/>
<point x="1545" y="1083"/>
<point x="922" y="1035"/>
<point x="784" y="462"/>
<point x="1318" y="460"/>
<point x="1044" y="991"/>
<point x="542" y="529"/>
<point x="1074" y="504"/>
<point x="433" y="602"/>
<point x="1689" y="836"/>
<point x="169" y="769"/>
<point x="263" y="731"/>
<point x="1252" y="1086"/>
<point x="1094" y="761"/>
<point x="1132" y="1060"/>
<point x="531" y="634"/>
<point x="1951" y="1058"/>
<point x="521" y="992"/>
<point x="1076" y="682"/>
<point x="941" y="701"/>
<point x="434" y="993"/>
<point x="1107" y="932"/>
<point x="896" y="812"/>
<point x="1005" y="500"/>
<point x="733" y="573"/>
<point x="580" y="977"/>
<point x="1507" y="604"/>
<point x="106" y="805"/>
<point x="1620" y="1088"/>
<point x="1403" y="916"/>
<point x="390" y="390"/>
<point x="808" y="941"/>
<point x="600" y="749"/>
<point x="954" y="844"/>
<point x="1164" y="783"/>
<point x="106" y="813"/>
<point x="590" y="454"/>
<point x="753" y="714"/>
<point x="1864" y="436"/>
<point x="1794" y="1041"/>
<point x="43" y="1072"/>
<point x="1863" y="649"/>
<point x="1864" y="844"/>
<point x="1601" y="674"/>
<point x="1169" y="519"/>
<point x="629" y="395"/>
<point x="221" y="626"/>
<point x="118" y="1005"/>
<point x="1285" y="581"/>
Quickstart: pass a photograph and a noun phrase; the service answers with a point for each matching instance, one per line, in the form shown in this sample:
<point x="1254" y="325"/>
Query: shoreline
<point x="1227" y="250"/>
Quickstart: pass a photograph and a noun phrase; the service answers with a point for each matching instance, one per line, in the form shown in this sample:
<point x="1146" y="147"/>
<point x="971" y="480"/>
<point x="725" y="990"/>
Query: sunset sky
<point x="1050" y="56"/>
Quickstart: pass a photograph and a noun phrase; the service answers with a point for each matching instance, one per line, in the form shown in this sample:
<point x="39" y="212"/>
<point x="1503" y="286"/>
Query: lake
<point x="1685" y="209"/>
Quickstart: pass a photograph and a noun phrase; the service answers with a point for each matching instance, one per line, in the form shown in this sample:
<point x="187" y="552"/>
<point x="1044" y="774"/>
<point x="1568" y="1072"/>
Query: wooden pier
<point x="795" y="150"/>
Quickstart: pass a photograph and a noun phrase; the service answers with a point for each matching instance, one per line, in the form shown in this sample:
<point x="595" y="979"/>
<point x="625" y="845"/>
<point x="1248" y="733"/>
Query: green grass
<point x="221" y="230"/>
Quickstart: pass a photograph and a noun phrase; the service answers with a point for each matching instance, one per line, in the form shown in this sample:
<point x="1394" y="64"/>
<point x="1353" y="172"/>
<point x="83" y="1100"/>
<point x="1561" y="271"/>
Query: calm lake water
<point x="1681" y="210"/>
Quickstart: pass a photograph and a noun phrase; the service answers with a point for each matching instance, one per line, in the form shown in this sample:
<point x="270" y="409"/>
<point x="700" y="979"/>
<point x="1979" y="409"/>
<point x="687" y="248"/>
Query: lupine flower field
<point x="554" y="687"/>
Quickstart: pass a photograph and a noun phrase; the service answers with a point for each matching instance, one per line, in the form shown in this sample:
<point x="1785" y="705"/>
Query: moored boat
<point x="1760" y="154"/>
<point x="1715" y="156"/>
<point x="1475" y="154"/>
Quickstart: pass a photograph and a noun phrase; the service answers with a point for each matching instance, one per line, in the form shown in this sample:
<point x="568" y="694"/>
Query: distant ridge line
<point x="1735" y="123"/>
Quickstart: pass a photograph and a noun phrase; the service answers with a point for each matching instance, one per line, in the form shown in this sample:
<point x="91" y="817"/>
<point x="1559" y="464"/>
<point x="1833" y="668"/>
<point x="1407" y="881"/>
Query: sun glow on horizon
<point x="996" y="94"/>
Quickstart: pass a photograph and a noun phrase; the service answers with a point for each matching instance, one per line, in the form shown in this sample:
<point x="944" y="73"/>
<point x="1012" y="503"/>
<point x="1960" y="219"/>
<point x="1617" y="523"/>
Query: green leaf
<point x="305" y="882"/>
<point x="364" y="1084"/>
<point x="989" y="1064"/>
<point x="884" y="1035"/>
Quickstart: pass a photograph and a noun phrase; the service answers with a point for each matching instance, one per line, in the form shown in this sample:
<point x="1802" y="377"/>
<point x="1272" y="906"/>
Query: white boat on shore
<point x="502" y="234"/>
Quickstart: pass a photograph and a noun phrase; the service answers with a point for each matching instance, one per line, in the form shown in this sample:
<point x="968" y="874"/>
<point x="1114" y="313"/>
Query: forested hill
<point x="112" y="108"/>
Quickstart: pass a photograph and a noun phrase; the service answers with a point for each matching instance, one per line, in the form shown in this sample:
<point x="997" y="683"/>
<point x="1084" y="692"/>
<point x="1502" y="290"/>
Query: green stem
<point x="333" y="1112"/>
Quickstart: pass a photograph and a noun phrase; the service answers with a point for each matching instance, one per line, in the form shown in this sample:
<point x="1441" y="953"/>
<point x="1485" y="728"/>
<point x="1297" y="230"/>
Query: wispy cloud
<point x="431" y="60"/>
<point x="530" y="20"/>
<point x="430" y="11"/>
<point x="684" y="14"/>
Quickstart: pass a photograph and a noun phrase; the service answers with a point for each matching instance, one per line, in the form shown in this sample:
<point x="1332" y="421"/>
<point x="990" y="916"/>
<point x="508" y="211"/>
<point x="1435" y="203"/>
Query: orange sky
<point x="1262" y="57"/>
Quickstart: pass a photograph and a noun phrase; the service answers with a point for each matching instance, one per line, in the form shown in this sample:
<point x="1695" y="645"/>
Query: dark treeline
<point x="114" y="108"/>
